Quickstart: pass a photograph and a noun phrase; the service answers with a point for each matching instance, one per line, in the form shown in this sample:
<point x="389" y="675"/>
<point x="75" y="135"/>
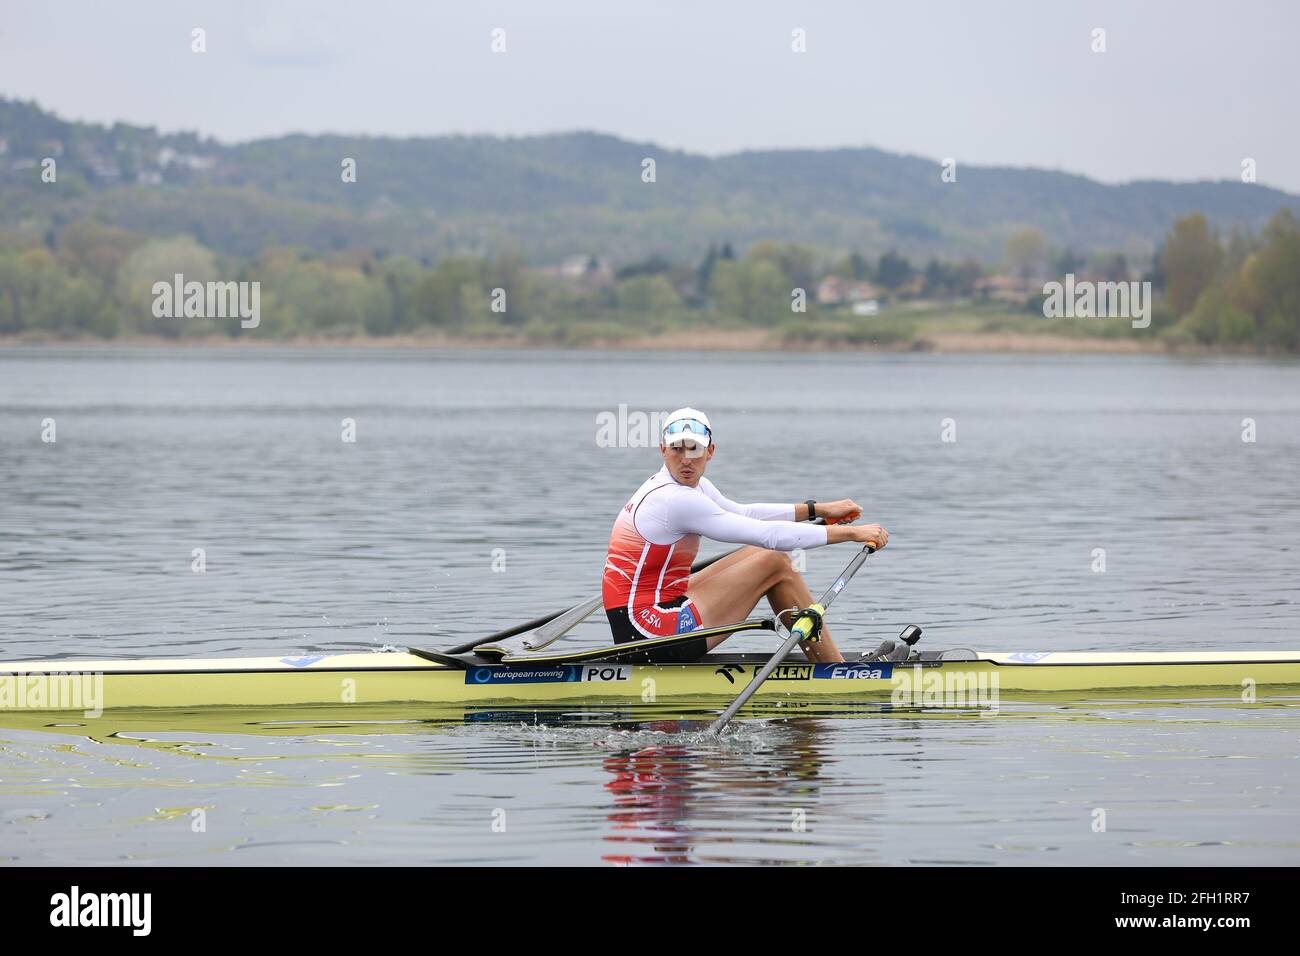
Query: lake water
<point x="313" y="544"/>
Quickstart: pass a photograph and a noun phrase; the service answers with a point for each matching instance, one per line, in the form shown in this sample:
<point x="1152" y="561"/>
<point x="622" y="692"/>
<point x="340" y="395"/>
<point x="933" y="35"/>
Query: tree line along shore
<point x="92" y="281"/>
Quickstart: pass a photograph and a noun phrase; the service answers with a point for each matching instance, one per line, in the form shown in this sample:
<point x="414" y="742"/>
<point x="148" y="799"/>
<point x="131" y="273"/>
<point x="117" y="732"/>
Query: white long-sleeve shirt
<point x="706" y="511"/>
<point x="656" y="536"/>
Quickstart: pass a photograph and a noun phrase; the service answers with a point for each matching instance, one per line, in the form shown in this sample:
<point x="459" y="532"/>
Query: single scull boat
<point x="395" y="678"/>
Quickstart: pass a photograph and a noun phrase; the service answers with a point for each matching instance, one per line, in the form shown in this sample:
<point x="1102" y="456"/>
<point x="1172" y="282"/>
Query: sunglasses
<point x="686" y="426"/>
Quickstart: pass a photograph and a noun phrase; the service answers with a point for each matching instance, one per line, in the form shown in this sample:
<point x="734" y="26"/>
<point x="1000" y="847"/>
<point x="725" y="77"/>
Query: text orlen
<point x="53" y="690"/>
<point x="102" y="909"/>
<point x="1085" y="299"/>
<point x="179" y="299"/>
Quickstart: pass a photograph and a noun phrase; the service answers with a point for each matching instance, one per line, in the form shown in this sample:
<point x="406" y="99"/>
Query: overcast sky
<point x="1186" y="89"/>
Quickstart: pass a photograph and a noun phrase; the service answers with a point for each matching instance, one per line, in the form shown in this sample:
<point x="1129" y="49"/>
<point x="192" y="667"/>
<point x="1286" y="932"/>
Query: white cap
<point x="688" y="422"/>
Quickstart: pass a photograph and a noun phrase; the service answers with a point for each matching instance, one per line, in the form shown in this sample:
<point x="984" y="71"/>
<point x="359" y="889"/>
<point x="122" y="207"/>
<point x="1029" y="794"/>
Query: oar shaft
<point x="753" y="686"/>
<point x="548" y="618"/>
<point x="799" y="632"/>
<point x="502" y="635"/>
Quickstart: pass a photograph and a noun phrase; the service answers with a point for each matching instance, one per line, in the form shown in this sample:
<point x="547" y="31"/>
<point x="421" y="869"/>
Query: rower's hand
<point x="872" y="534"/>
<point x="839" y="512"/>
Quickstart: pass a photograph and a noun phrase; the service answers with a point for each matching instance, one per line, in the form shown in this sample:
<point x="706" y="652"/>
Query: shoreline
<point x="708" y="340"/>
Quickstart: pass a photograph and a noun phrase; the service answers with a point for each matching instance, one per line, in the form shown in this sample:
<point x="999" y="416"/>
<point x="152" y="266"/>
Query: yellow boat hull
<point x="397" y="678"/>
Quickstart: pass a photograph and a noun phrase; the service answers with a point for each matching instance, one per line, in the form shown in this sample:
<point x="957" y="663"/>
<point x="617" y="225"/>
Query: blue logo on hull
<point x="302" y="661"/>
<point x="505" y="674"/>
<point x="872" y="671"/>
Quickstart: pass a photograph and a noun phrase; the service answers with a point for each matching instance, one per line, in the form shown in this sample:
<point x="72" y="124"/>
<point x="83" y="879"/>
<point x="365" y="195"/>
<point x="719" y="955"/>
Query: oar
<point x="801" y="631"/>
<point x="551" y="627"/>
<point x="557" y="627"/>
<point x="502" y="635"/>
<point x="563" y="623"/>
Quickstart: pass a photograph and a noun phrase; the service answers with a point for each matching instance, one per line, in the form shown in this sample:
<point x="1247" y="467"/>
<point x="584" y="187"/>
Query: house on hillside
<point x="584" y="271"/>
<point x="836" y="291"/>
<point x="171" y="157"/>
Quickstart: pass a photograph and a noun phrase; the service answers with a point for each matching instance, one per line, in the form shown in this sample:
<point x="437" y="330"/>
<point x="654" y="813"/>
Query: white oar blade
<point x="548" y="634"/>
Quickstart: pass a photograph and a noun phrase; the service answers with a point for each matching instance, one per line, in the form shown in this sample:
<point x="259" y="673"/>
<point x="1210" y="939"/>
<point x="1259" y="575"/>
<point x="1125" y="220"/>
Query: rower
<point x="648" y="589"/>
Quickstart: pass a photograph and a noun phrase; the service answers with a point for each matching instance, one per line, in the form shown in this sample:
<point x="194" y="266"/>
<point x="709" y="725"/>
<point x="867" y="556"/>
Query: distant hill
<point x="545" y="197"/>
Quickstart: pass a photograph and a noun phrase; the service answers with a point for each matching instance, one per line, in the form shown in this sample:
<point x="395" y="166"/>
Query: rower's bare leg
<point x="729" y="590"/>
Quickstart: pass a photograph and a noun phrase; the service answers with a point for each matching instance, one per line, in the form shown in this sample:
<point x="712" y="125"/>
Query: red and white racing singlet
<point x="649" y="580"/>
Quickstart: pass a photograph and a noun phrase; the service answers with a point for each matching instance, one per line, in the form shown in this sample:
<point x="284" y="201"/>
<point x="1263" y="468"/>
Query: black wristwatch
<point x="812" y="509"/>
